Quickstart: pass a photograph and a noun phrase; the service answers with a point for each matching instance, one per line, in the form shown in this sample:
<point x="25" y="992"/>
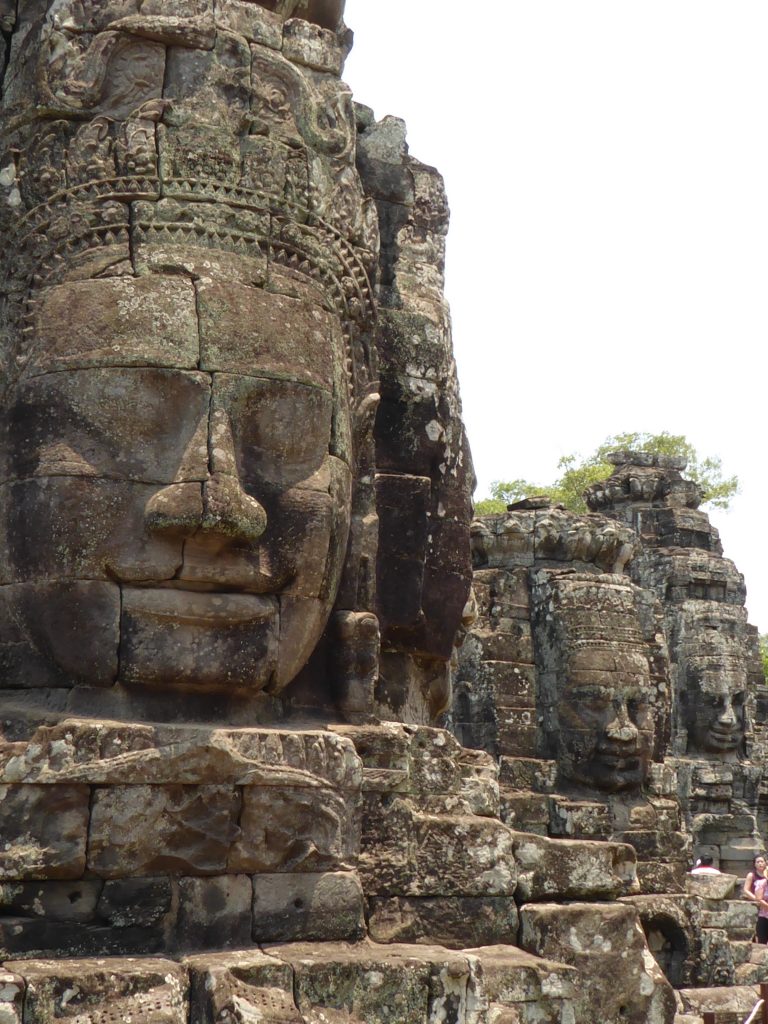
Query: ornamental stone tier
<point x="235" y="566"/>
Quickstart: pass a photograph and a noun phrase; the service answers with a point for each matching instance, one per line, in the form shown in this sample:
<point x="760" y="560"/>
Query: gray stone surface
<point x="235" y="562"/>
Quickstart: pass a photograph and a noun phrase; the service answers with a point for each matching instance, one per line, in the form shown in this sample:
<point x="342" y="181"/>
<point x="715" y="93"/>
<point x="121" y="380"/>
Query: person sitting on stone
<point x="705" y="866"/>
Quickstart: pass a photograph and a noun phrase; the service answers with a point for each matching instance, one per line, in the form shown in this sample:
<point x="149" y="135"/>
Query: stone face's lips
<point x="622" y="762"/>
<point x="725" y="737"/>
<point x="204" y="608"/>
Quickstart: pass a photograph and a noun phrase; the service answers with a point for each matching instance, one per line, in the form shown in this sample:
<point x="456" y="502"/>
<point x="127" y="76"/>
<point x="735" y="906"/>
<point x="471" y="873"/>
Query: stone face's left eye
<point x="640" y="710"/>
<point x="281" y="429"/>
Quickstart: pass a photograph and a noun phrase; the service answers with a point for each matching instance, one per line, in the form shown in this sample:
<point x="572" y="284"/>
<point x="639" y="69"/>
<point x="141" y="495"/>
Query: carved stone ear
<point x="363" y="418"/>
<point x="357" y="589"/>
<point x="354" y="666"/>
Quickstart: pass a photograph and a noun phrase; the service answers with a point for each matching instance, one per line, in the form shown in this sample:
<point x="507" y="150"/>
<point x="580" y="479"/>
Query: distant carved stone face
<point x="177" y="492"/>
<point x="605" y="713"/>
<point x="599" y="706"/>
<point x="715" y="681"/>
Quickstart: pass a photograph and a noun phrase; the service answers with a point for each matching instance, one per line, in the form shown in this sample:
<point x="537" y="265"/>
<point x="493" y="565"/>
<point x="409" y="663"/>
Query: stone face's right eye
<point x="116" y="422"/>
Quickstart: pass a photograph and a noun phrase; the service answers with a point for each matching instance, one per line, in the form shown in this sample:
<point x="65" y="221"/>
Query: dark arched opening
<point x="669" y="945"/>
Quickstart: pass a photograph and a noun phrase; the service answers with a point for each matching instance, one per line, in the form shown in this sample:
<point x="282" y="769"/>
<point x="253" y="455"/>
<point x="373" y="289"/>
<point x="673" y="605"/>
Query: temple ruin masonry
<point x="286" y="735"/>
<point x="613" y="675"/>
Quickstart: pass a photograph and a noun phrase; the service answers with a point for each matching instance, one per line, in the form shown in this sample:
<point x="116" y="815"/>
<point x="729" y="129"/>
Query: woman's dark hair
<point x="755" y="876"/>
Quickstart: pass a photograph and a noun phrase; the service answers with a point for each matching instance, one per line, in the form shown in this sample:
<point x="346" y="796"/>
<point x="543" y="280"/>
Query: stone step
<point x="751" y="974"/>
<point x="293" y="983"/>
<point x="754" y="971"/>
<point x="730" y="1004"/>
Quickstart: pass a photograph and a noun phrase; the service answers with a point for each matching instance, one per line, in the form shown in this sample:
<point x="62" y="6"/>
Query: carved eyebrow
<point x="593" y="690"/>
<point x="590" y="691"/>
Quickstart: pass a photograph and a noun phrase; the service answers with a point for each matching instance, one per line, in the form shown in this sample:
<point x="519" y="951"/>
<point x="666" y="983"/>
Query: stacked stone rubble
<point x="235" y="559"/>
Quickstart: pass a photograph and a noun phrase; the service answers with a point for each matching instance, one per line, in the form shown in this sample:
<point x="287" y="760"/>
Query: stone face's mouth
<point x="204" y="640"/>
<point x="724" y="737"/>
<point x="620" y="762"/>
<point x="239" y="577"/>
<point x="260" y="587"/>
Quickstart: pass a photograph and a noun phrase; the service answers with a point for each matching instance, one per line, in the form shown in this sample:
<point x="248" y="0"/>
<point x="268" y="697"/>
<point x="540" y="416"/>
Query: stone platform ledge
<point x="111" y="753"/>
<point x="711" y="887"/>
<point x="595" y="869"/>
<point x="295" y="983"/>
<point x="731" y="1004"/>
<point x="389" y="757"/>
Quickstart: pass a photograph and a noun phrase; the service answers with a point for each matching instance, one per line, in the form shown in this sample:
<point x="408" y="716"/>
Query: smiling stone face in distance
<point x="714" y="678"/>
<point x="176" y="477"/>
<point x="604" y="707"/>
<point x="606" y="715"/>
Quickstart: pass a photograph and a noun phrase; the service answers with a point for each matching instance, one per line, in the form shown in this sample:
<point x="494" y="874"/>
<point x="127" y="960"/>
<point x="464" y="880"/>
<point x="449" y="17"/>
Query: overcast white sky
<point x="606" y="163"/>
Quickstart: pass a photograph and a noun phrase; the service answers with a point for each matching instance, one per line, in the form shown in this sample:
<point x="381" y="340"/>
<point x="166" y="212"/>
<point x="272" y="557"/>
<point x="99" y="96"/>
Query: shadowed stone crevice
<point x="118" y="673"/>
<point x="9" y="17"/>
<point x="669" y="945"/>
<point x="200" y="340"/>
<point x="131" y="238"/>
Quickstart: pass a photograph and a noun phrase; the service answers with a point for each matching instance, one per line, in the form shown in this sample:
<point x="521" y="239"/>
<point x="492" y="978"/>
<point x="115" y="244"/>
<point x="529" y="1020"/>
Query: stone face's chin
<point x="206" y="641"/>
<point x="608" y="771"/>
<point x="613" y="772"/>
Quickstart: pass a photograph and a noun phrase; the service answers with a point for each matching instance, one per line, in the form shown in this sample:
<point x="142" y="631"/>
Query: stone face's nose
<point x="216" y="508"/>
<point x="621" y="729"/>
<point x="728" y="715"/>
<point x="229" y="512"/>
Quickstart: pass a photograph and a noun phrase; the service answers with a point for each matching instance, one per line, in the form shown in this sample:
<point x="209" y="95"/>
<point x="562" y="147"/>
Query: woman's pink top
<point x="760" y="891"/>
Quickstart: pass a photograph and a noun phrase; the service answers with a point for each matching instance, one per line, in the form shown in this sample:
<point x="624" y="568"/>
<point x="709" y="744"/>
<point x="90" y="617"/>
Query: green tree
<point x="577" y="473"/>
<point x="764" y="652"/>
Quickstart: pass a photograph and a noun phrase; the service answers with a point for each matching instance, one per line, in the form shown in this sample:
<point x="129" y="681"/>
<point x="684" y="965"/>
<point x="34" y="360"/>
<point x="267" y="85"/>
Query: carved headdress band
<point x="105" y="155"/>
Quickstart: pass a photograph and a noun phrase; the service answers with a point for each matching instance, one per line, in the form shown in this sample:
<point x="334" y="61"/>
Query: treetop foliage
<point x="577" y="473"/>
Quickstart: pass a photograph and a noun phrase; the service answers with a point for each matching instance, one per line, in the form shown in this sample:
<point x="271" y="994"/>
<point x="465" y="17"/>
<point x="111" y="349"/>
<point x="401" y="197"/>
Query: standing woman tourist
<point x="756" y="889"/>
<point x="759" y="864"/>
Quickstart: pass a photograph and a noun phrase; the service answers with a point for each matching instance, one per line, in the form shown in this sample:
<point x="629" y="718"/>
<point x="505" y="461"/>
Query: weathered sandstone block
<point x="44" y="830"/>
<point x="144" y="830"/>
<point x="571" y="869"/>
<point x="628" y="985"/>
<point x="147" y="989"/>
<point x="453" y="921"/>
<point x="300" y="907"/>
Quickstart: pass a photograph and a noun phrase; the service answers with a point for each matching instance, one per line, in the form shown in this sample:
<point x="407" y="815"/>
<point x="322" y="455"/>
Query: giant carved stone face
<point x="714" y="671"/>
<point x="601" y="707"/>
<point x="176" y="467"/>
<point x="606" y="718"/>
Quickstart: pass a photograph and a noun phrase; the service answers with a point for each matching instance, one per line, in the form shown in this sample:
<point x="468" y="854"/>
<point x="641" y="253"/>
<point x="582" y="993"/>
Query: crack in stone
<point x="199" y="335"/>
<point x="7" y="36"/>
<point x="131" y="235"/>
<point x="118" y="669"/>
